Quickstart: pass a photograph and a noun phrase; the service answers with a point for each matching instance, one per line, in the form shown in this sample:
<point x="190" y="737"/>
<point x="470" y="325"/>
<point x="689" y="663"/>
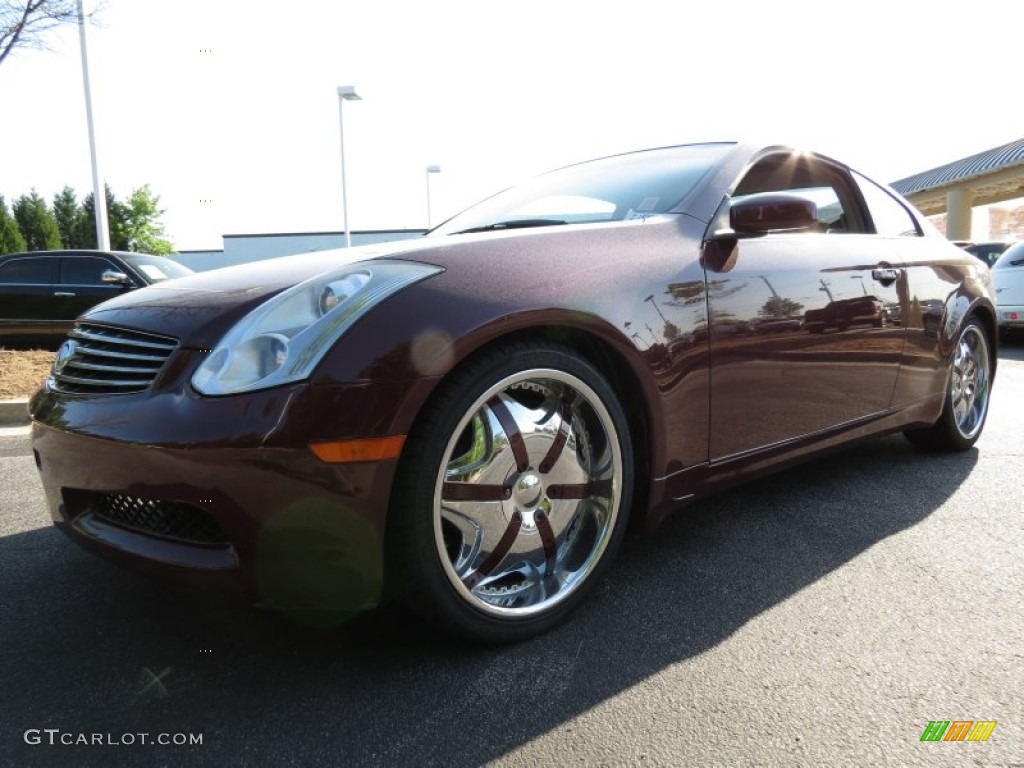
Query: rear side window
<point x="84" y="271"/>
<point x="1012" y="258"/>
<point x="889" y="216"/>
<point x="26" y="271"/>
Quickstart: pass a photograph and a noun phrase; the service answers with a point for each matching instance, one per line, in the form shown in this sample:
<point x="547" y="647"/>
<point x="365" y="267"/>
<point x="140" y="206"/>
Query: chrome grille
<point x="97" y="359"/>
<point x="168" y="519"/>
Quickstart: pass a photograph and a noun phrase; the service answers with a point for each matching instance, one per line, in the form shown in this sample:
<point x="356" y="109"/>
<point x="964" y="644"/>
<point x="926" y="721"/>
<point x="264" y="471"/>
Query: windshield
<point x="615" y="188"/>
<point x="156" y="268"/>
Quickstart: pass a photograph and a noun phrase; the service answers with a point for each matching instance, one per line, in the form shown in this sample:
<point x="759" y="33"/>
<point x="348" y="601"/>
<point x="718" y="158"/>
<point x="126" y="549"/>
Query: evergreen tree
<point x="67" y="212"/>
<point x="36" y="223"/>
<point x="118" y="215"/>
<point x="11" y="240"/>
<point x="83" y="231"/>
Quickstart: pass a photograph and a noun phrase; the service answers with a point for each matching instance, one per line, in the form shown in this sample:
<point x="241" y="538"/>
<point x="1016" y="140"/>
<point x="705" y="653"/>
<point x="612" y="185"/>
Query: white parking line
<point x="14" y="431"/>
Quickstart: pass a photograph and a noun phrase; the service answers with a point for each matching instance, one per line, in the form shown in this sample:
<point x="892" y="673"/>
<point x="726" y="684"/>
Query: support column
<point x="958" y="213"/>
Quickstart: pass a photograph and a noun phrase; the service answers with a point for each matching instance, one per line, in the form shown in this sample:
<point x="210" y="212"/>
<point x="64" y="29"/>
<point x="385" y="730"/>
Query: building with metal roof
<point x="241" y="249"/>
<point x="954" y="188"/>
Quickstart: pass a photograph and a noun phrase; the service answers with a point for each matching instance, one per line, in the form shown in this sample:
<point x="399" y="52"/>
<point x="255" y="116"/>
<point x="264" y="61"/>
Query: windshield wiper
<point x="512" y="224"/>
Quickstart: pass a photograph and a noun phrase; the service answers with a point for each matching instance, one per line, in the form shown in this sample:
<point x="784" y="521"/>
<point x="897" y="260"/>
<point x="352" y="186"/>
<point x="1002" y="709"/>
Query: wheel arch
<point x="633" y="392"/>
<point x="986" y="314"/>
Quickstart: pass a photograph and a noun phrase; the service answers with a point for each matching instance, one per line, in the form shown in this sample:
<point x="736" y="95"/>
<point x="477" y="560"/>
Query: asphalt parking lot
<point x="822" y="616"/>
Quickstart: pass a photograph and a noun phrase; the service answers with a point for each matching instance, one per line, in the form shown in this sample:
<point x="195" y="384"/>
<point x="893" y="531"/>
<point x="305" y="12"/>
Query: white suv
<point x="1008" y="279"/>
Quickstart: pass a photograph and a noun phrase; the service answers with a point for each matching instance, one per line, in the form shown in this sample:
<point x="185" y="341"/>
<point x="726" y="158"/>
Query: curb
<point x="14" y="413"/>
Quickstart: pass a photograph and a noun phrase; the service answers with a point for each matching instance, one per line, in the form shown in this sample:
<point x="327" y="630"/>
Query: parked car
<point x="1008" y="278"/>
<point x="42" y="292"/>
<point x="988" y="252"/>
<point x="467" y="422"/>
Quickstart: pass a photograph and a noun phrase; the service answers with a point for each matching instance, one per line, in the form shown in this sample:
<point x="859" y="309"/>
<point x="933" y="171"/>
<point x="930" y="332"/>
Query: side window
<point x="84" y="271"/>
<point x="26" y="271"/>
<point x="827" y="186"/>
<point x="888" y="215"/>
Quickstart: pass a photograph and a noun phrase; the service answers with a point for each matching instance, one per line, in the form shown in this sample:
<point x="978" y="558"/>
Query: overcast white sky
<point x="492" y="92"/>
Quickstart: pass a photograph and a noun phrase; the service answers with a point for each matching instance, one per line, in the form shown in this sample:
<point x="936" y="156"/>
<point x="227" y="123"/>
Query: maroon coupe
<point x="466" y="422"/>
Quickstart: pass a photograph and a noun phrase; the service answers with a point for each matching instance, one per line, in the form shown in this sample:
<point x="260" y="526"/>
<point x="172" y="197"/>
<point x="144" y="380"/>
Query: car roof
<point x="73" y="252"/>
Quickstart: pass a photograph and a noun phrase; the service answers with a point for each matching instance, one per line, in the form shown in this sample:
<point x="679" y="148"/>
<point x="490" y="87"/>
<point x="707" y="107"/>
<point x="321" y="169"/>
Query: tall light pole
<point x="656" y="309"/>
<point x="99" y="193"/>
<point x="430" y="169"/>
<point x="345" y="93"/>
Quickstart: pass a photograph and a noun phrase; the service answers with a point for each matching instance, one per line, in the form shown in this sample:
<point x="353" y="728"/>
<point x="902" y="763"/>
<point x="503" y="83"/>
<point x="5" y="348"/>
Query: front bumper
<point x="224" y="492"/>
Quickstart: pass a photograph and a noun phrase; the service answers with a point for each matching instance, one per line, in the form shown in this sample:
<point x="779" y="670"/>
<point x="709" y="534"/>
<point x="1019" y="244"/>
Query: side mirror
<point x="772" y="212"/>
<point x="115" y="278"/>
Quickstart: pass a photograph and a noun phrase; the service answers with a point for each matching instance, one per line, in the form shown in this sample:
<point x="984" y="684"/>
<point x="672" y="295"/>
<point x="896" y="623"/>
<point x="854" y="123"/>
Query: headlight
<point x="284" y="338"/>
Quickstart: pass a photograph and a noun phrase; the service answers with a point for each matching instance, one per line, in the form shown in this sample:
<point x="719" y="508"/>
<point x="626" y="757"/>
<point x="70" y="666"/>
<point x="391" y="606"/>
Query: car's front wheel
<point x="512" y="493"/>
<point x="968" y="387"/>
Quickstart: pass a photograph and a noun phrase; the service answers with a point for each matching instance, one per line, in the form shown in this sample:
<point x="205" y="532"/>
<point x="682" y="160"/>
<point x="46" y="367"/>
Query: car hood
<point x="199" y="309"/>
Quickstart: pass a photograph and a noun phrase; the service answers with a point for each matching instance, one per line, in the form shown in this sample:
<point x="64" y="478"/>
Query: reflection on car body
<point x="843" y="313"/>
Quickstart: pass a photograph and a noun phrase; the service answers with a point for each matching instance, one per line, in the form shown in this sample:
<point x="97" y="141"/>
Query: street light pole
<point x="99" y="193"/>
<point x="430" y="169"/>
<point x="345" y="93"/>
<point x="656" y="309"/>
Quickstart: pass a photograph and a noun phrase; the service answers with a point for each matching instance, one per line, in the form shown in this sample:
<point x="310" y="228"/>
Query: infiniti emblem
<point x="64" y="354"/>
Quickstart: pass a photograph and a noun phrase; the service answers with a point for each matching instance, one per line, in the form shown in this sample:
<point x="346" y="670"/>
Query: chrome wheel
<point x="965" y="399"/>
<point x="528" y="493"/>
<point x="969" y="381"/>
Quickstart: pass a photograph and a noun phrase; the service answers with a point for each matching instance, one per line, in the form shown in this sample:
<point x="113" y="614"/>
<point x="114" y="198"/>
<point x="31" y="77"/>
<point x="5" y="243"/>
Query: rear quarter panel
<point x="942" y="287"/>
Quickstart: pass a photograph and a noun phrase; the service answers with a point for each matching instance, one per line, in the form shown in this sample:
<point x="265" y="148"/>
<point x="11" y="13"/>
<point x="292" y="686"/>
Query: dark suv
<point x="42" y="292"/>
<point x="988" y="252"/>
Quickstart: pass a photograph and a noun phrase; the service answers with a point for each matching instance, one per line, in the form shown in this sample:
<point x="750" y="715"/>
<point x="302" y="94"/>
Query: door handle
<point x="63" y="293"/>
<point x="886" y="275"/>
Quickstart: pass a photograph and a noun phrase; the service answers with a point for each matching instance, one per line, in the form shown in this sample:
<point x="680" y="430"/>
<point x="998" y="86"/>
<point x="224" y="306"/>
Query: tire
<point x="968" y="386"/>
<point x="512" y="494"/>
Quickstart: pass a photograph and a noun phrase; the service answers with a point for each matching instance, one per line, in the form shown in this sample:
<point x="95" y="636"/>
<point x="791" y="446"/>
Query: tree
<point x="36" y="223"/>
<point x="134" y="225"/>
<point x="778" y="308"/>
<point x="25" y="23"/>
<point x="67" y="212"/>
<point x="11" y="240"/>
<point x="83" y="233"/>
<point x="117" y="215"/>
<point x="143" y="230"/>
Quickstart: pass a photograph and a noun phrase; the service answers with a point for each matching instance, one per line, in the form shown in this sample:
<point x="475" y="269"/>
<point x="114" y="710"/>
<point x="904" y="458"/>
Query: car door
<point x="802" y="337"/>
<point x="26" y="299"/>
<point x="80" y="287"/>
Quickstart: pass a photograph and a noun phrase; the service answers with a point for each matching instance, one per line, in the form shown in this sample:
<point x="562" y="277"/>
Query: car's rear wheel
<point x="968" y="388"/>
<point x="512" y="493"/>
